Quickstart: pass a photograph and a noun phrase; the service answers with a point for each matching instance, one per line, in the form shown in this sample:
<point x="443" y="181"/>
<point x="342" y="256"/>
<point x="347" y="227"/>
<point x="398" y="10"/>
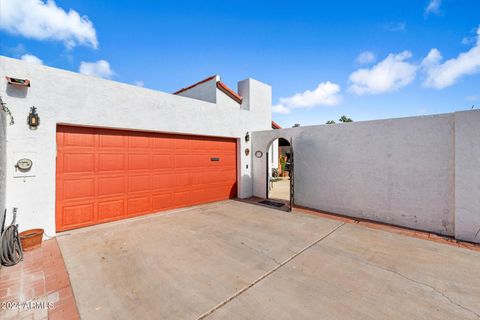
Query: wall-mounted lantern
<point x="247" y="137"/>
<point x="18" y="82"/>
<point x="33" y="118"/>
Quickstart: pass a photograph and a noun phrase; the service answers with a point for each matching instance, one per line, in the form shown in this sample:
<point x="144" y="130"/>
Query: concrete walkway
<point x="280" y="190"/>
<point x="234" y="260"/>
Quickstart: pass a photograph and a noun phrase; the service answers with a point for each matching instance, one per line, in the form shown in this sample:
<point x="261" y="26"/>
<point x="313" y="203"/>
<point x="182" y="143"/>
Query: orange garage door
<point x="105" y="175"/>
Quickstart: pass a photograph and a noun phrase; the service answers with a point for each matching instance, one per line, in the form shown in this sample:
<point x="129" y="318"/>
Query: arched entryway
<point x="279" y="167"/>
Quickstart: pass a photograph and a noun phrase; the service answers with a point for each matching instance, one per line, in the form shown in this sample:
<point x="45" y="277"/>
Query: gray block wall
<point x="398" y="171"/>
<point x="417" y="172"/>
<point x="467" y="175"/>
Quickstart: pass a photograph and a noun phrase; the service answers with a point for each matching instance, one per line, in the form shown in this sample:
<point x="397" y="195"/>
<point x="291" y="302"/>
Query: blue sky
<point x="308" y="51"/>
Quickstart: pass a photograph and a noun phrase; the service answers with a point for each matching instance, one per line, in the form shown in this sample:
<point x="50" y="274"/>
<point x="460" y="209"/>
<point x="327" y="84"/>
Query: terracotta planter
<point x="31" y="239"/>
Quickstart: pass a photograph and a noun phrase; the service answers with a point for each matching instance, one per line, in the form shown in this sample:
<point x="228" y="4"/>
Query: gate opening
<point x="279" y="172"/>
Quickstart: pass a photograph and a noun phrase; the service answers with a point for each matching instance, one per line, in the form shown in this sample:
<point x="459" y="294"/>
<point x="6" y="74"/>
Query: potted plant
<point x="283" y="165"/>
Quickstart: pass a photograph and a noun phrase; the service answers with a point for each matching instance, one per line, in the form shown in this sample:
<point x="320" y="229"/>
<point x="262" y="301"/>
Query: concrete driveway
<point x="234" y="260"/>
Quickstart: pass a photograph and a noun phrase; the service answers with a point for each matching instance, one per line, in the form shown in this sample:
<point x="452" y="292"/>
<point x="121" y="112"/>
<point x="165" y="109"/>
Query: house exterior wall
<point x="64" y="97"/>
<point x="224" y="100"/>
<point x="3" y="159"/>
<point x="416" y="172"/>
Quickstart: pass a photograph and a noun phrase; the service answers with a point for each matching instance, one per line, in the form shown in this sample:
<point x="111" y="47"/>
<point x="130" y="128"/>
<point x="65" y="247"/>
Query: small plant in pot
<point x="283" y="165"/>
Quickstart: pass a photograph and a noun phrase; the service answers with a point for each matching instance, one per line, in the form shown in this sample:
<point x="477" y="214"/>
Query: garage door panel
<point x="105" y="175"/>
<point x="162" y="201"/>
<point x="78" y="215"/>
<point x="216" y="161"/>
<point x="163" y="142"/>
<point x="59" y="139"/>
<point x="183" y="161"/>
<point x="111" y="162"/>
<point x="209" y="177"/>
<point x="111" y="185"/>
<point x="139" y="183"/>
<point x="139" y="141"/>
<point x="78" y="162"/>
<point x="76" y="189"/>
<point x="230" y="148"/>
<point x="182" y="198"/>
<point x="162" y="161"/>
<point x="215" y="145"/>
<point x="199" y="178"/>
<point x="79" y="138"/>
<point x="111" y="210"/>
<point x="204" y="160"/>
<point x="138" y="205"/>
<point x="162" y="181"/>
<point x="199" y="196"/>
<point x="229" y="161"/>
<point x="229" y="175"/>
<point x="199" y="144"/>
<point x="182" y="179"/>
<point x="112" y="140"/>
<point x="182" y="143"/>
<point x="139" y="161"/>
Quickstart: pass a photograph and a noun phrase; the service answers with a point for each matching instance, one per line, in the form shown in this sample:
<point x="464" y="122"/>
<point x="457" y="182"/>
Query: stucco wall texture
<point x="417" y="172"/>
<point x="64" y="97"/>
<point x="3" y="159"/>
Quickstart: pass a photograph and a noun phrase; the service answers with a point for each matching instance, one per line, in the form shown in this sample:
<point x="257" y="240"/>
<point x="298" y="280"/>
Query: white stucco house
<point x="160" y="151"/>
<point x="84" y="150"/>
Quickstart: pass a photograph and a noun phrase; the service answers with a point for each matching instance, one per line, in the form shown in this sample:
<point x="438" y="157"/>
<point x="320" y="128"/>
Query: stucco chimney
<point x="257" y="97"/>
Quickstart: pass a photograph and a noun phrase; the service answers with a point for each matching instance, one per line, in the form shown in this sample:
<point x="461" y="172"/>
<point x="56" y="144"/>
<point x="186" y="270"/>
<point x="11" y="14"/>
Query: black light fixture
<point x="247" y="137"/>
<point x="33" y="118"/>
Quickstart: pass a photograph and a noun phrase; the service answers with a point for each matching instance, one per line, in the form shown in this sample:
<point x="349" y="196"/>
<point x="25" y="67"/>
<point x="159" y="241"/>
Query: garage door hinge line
<point x="224" y="302"/>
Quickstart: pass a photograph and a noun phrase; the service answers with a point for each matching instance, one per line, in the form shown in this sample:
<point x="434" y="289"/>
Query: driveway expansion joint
<point x="241" y="291"/>
<point x="262" y="253"/>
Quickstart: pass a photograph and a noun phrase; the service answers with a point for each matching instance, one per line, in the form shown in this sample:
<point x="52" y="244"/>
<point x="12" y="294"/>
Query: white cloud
<point x="366" y="57"/>
<point x="326" y="93"/>
<point x="280" y="108"/>
<point x="441" y="75"/>
<point x="390" y="74"/>
<point x="139" y="83"/>
<point x="46" y="21"/>
<point x="100" y="69"/>
<point x="433" y="7"/>
<point x="30" y="58"/>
